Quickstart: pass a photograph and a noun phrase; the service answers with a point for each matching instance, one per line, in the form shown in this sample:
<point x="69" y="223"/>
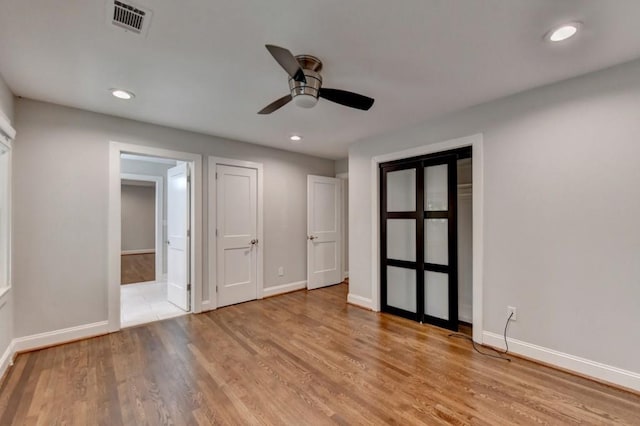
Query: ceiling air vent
<point x="128" y="16"/>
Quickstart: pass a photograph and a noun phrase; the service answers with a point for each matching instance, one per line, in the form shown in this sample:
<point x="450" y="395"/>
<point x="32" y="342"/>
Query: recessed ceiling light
<point x="563" y="32"/>
<point x="296" y="138"/>
<point x="122" y="94"/>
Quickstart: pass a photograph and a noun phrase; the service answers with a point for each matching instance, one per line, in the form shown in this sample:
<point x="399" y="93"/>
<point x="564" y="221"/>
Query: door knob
<point x="311" y="237"/>
<point x="253" y="242"/>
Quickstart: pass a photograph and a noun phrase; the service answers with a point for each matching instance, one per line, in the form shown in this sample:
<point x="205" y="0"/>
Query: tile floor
<point x="145" y="302"/>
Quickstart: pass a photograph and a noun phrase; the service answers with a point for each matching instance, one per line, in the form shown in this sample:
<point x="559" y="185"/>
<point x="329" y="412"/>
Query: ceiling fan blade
<point x="287" y="61"/>
<point x="345" y="98"/>
<point x="276" y="105"/>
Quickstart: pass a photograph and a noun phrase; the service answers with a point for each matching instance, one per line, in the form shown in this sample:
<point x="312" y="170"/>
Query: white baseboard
<point x="7" y="359"/>
<point x="57" y="337"/>
<point x="283" y="288"/>
<point x="363" y="302"/>
<point x="597" y="370"/>
<point x="138" y="251"/>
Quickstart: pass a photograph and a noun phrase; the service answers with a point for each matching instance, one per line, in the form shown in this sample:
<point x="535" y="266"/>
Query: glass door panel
<point x="436" y="188"/>
<point x="401" y="191"/>
<point x="436" y="295"/>
<point x="401" y="289"/>
<point x="401" y="239"/>
<point x="436" y="242"/>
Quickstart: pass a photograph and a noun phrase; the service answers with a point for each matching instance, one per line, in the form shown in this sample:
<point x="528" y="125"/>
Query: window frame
<point x="6" y="138"/>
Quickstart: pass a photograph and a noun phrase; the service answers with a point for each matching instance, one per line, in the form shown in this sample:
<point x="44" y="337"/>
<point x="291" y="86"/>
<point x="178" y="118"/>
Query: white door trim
<point x="6" y="143"/>
<point x="114" y="225"/>
<point x="343" y="225"/>
<point x="212" y="302"/>
<point x="475" y="142"/>
<point x="158" y="180"/>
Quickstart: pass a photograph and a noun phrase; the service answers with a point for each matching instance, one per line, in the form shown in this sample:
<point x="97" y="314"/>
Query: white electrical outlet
<point x="281" y="271"/>
<point x="512" y="310"/>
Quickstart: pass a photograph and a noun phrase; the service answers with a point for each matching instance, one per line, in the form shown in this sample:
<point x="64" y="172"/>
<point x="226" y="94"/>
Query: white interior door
<point x="323" y="231"/>
<point x="237" y="237"/>
<point x="178" y="286"/>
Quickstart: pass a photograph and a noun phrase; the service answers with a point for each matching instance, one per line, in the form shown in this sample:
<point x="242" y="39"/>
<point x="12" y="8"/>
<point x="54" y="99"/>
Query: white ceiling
<point x="203" y="65"/>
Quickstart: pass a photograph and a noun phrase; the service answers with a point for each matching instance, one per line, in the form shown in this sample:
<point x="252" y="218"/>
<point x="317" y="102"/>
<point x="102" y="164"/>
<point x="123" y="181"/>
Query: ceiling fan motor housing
<point x="306" y="94"/>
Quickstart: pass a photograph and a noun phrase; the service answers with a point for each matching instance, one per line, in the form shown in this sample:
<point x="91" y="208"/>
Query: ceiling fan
<point x="305" y="83"/>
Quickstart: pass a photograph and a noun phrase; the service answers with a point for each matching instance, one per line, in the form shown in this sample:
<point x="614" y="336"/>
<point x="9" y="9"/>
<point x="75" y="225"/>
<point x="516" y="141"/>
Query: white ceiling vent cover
<point x="128" y="16"/>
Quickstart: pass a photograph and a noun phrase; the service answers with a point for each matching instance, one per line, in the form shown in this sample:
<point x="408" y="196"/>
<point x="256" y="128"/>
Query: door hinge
<point x="216" y="232"/>
<point x="216" y="175"/>
<point x="188" y="287"/>
<point x="216" y="289"/>
<point x="188" y="233"/>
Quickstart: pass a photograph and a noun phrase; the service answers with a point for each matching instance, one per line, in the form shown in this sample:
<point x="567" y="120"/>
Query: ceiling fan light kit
<point x="305" y="93"/>
<point x="305" y="83"/>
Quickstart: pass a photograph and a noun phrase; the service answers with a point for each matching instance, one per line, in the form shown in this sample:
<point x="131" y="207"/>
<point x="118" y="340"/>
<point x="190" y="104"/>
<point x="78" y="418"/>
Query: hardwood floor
<point x="137" y="268"/>
<point x="465" y="328"/>
<point x="304" y="358"/>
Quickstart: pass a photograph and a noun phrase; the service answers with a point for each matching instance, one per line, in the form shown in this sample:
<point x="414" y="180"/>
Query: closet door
<point x="418" y="220"/>
<point x="440" y="279"/>
<point x="401" y="221"/>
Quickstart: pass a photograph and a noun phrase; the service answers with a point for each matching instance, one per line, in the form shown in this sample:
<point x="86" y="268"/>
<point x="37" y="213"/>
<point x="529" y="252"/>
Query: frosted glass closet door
<point x="436" y="241"/>
<point x="418" y="238"/>
<point x="401" y="274"/>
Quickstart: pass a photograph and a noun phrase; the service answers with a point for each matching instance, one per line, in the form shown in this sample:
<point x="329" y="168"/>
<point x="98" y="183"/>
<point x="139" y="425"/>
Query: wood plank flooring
<point x="304" y="358"/>
<point x="137" y="268"/>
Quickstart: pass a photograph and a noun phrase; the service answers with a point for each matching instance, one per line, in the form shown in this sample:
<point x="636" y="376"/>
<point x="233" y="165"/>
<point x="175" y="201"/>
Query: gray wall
<point x="61" y="192"/>
<point x="6" y="302"/>
<point x="342" y="165"/>
<point x="138" y="217"/>
<point x="561" y="209"/>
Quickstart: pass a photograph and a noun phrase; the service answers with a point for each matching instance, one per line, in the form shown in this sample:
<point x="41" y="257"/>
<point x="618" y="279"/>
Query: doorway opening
<point x="179" y="245"/>
<point x="426" y="238"/>
<point x="142" y="204"/>
<point x="154" y="199"/>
